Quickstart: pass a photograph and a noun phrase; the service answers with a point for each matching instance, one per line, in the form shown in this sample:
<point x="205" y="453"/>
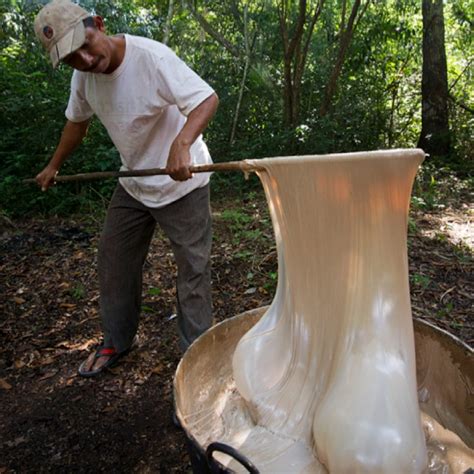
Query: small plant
<point x="252" y="234"/>
<point x="427" y="190"/>
<point x="78" y="291"/>
<point x="236" y="218"/>
<point x="441" y="237"/>
<point x="270" y="284"/>
<point x="463" y="252"/>
<point x="445" y="311"/>
<point x="154" y="291"/>
<point x="412" y="227"/>
<point x="244" y="254"/>
<point x="421" y="280"/>
<point x="456" y="325"/>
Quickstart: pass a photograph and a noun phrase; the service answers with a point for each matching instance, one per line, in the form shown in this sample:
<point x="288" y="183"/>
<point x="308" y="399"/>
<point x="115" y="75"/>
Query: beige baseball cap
<point x="60" y="28"/>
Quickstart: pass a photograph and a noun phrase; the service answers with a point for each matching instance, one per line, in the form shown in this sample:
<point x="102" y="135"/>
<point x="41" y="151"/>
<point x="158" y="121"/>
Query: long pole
<point x="229" y="166"/>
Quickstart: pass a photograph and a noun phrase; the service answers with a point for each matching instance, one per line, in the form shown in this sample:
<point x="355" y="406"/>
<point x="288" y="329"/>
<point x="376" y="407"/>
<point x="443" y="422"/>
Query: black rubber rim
<point x="232" y="452"/>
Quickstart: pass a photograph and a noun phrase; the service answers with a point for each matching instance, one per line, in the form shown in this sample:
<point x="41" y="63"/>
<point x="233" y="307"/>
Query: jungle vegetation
<point x="293" y="76"/>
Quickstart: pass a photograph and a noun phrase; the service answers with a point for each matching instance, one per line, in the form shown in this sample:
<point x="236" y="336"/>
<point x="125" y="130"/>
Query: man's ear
<point x="99" y="23"/>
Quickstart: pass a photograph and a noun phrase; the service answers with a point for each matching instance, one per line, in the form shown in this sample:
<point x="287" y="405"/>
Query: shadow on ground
<point x="53" y="421"/>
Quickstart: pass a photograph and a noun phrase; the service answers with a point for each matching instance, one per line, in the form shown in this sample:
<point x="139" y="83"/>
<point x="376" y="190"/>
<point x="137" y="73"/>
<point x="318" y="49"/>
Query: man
<point x="154" y="108"/>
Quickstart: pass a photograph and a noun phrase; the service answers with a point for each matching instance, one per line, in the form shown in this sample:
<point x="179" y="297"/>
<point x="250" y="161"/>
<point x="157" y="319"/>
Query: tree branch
<point x="296" y="39"/>
<point x="451" y="87"/>
<point x="169" y="18"/>
<point x="461" y="104"/>
<point x="345" y="39"/>
<point x="283" y="28"/>
<point x="236" y="14"/>
<point x="342" y="27"/>
<point x="362" y="12"/>
<point x="314" y="19"/>
<point x="248" y="51"/>
<point x="208" y="28"/>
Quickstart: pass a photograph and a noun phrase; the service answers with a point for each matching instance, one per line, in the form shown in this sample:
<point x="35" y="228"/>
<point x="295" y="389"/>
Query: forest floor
<point x="51" y="420"/>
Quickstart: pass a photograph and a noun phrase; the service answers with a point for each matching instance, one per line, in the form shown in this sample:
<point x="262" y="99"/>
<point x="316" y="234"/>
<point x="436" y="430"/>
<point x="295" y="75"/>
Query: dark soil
<point x="51" y="420"/>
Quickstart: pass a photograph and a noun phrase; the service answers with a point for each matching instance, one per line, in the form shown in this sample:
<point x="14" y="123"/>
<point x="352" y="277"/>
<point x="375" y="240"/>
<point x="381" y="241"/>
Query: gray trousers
<point x="123" y="247"/>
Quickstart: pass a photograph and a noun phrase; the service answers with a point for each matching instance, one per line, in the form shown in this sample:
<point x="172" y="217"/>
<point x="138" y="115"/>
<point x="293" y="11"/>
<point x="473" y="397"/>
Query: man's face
<point x="94" y="55"/>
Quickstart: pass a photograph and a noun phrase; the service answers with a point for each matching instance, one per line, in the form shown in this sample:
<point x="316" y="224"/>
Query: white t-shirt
<point x="143" y="105"/>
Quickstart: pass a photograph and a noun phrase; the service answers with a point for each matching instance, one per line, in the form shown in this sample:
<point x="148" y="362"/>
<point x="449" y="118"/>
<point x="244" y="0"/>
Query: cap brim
<point x="69" y="43"/>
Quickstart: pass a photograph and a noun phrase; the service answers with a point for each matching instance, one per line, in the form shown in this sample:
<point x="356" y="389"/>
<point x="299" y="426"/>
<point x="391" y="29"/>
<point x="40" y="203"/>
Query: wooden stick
<point x="229" y="166"/>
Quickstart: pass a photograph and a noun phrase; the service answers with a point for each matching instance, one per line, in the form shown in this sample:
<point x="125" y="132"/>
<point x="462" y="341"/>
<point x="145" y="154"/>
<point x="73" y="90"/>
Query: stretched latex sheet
<point x="326" y="380"/>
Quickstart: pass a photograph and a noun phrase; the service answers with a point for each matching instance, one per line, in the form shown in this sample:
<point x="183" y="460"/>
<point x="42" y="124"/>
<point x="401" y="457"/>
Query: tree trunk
<point x="434" y="138"/>
<point x="169" y="19"/>
<point x="295" y="41"/>
<point x="346" y="33"/>
<point x="248" y="52"/>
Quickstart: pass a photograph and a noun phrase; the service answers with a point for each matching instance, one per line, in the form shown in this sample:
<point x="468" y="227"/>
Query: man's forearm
<point x="197" y="121"/>
<point x="179" y="157"/>
<point x="72" y="136"/>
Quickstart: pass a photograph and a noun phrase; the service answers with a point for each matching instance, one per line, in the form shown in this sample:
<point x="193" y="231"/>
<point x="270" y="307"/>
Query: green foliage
<point x="240" y="225"/>
<point x="420" y="280"/>
<point x="78" y="291"/>
<point x="445" y="311"/>
<point x="437" y="187"/>
<point x="154" y="291"/>
<point x="33" y="100"/>
<point x="271" y="283"/>
<point x="377" y="103"/>
<point x="237" y="219"/>
<point x="412" y="227"/>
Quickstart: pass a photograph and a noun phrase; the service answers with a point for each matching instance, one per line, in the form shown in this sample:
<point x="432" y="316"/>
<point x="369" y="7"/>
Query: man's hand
<point x="72" y="135"/>
<point x="179" y="161"/>
<point x="45" y="179"/>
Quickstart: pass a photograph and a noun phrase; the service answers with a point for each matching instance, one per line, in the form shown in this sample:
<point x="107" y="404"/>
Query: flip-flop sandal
<point x="101" y="351"/>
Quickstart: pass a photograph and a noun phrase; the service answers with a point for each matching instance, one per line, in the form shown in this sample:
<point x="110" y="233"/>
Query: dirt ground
<point x="51" y="420"/>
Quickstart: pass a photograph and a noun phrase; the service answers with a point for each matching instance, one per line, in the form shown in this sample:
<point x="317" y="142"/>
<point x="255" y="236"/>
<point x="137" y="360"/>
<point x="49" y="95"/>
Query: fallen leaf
<point x="144" y="354"/>
<point x="85" y="320"/>
<point x="85" y="345"/>
<point x="66" y="344"/>
<point x="48" y="375"/>
<point x="116" y="370"/>
<point x="4" y="385"/>
<point x="68" y="305"/>
<point x="158" y="369"/>
<point x="18" y="300"/>
<point x="47" y="361"/>
<point x="18" y="364"/>
<point x="76" y="346"/>
<point x="36" y="342"/>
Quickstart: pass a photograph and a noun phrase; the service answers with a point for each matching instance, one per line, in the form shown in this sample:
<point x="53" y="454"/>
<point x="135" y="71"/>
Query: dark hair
<point x="89" y="22"/>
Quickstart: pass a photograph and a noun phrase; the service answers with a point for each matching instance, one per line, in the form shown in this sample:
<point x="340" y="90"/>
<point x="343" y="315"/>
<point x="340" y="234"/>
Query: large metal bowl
<point x="445" y="374"/>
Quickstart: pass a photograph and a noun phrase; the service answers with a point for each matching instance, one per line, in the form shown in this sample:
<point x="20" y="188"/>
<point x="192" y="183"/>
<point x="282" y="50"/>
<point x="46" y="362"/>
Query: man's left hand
<point x="179" y="161"/>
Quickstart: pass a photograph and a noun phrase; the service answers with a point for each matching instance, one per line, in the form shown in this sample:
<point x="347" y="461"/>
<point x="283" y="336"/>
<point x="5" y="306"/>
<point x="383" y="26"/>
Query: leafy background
<point x="377" y="102"/>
